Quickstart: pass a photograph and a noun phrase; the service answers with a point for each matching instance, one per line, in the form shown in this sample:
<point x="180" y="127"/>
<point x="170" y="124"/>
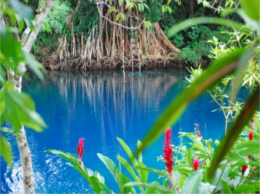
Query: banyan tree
<point x="123" y="38"/>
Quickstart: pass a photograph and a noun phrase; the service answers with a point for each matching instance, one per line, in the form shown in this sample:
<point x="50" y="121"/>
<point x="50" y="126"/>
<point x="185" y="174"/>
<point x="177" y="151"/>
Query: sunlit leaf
<point x="192" y="183"/>
<point x="6" y="151"/>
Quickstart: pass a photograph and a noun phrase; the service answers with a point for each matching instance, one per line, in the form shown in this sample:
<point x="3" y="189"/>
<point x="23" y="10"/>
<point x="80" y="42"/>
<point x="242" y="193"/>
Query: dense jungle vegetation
<point x="72" y="24"/>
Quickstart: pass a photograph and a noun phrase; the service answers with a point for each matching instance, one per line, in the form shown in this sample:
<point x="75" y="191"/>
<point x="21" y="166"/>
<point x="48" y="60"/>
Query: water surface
<point x="100" y="106"/>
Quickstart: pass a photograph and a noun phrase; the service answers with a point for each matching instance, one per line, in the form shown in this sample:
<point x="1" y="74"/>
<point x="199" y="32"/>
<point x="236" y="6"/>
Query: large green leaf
<point x="235" y="129"/>
<point x="252" y="8"/>
<point x="192" y="183"/>
<point x="158" y="172"/>
<point x="20" y="109"/>
<point x="248" y="148"/>
<point x="21" y="9"/>
<point x="6" y="151"/>
<point x="226" y="187"/>
<point x="202" y="20"/>
<point x="128" y="167"/>
<point x="119" y="177"/>
<point x="158" y="188"/>
<point x="95" y="180"/>
<point x="220" y="68"/>
<point x="127" y="150"/>
<point x="239" y="73"/>
<point x="244" y="189"/>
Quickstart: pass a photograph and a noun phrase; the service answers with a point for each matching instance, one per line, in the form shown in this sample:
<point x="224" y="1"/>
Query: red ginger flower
<point x="198" y="130"/>
<point x="196" y="163"/>
<point x="244" y="167"/>
<point x="250" y="135"/>
<point x="167" y="151"/>
<point x="249" y="157"/>
<point x="80" y="149"/>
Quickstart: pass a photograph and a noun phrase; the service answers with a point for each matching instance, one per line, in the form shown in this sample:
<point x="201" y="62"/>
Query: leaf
<point x="206" y="188"/>
<point x="226" y="187"/>
<point x="6" y="151"/>
<point x="21" y="9"/>
<point x="120" y="178"/>
<point x="220" y="68"/>
<point x="202" y="20"/>
<point x="64" y="155"/>
<point x="95" y="180"/>
<point x="239" y="73"/>
<point x="235" y="129"/>
<point x="244" y="189"/>
<point x="248" y="148"/>
<point x="34" y="65"/>
<point x="47" y="27"/>
<point x="190" y="152"/>
<point x="20" y="110"/>
<point x="192" y="183"/>
<point x="121" y="2"/>
<point x="252" y="8"/>
<point x="159" y="188"/>
<point x="128" y="167"/>
<point x="158" y="172"/>
<point x="111" y="9"/>
<point x="118" y="16"/>
<point x="221" y="174"/>
<point x="127" y="150"/>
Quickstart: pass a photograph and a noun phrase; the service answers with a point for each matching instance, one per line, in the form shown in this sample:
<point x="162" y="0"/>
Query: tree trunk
<point x="25" y="154"/>
<point x="191" y="15"/>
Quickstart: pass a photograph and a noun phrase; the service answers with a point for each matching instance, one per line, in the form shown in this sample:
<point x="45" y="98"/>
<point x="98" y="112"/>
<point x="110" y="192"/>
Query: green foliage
<point x="228" y="177"/>
<point x="18" y="109"/>
<point x="86" y="18"/>
<point x="54" y="26"/>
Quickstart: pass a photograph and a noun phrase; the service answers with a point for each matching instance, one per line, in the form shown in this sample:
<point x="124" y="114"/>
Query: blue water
<point x="100" y="106"/>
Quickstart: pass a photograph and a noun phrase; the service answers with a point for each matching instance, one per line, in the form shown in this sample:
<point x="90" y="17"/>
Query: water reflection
<point x="101" y="106"/>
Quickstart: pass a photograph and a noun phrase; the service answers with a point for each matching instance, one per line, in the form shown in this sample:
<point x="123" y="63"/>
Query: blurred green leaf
<point x="151" y="186"/>
<point x="127" y="150"/>
<point x="34" y="65"/>
<point x="226" y="187"/>
<point x="20" y="110"/>
<point x="248" y="148"/>
<point x="244" y="189"/>
<point x="192" y="183"/>
<point x="202" y="20"/>
<point x="120" y="178"/>
<point x="95" y="180"/>
<point x="128" y="167"/>
<point x="220" y="68"/>
<point x="235" y="129"/>
<point x="252" y="8"/>
<point x="21" y="9"/>
<point x="6" y="151"/>
<point x="239" y="73"/>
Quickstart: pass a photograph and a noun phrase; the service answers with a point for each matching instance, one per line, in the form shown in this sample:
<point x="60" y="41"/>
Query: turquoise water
<point x="100" y="106"/>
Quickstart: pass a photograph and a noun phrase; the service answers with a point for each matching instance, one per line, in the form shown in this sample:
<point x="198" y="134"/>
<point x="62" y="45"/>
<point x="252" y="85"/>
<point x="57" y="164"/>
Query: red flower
<point x="244" y="167"/>
<point x="80" y="149"/>
<point x="249" y="157"/>
<point x="198" y="130"/>
<point x="250" y="135"/>
<point x="196" y="164"/>
<point x="167" y="151"/>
